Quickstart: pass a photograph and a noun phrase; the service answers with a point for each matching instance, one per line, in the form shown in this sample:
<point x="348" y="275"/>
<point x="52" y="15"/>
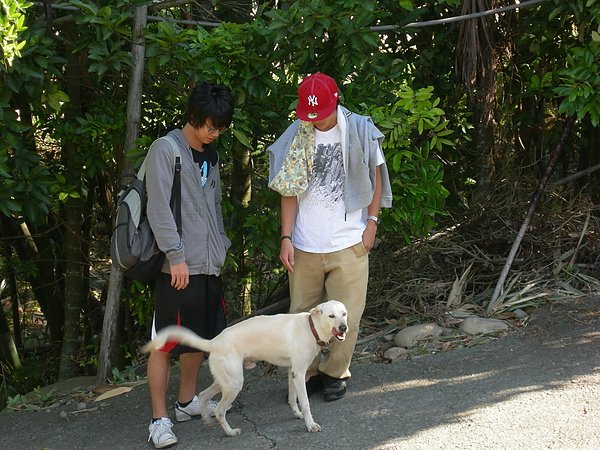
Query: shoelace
<point x="160" y="426"/>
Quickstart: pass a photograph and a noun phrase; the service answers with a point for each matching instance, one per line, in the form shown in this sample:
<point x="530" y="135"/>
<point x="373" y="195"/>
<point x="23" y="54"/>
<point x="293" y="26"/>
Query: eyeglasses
<point x="216" y="130"/>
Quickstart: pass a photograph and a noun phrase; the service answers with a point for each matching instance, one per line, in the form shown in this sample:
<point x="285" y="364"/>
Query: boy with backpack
<point x="188" y="290"/>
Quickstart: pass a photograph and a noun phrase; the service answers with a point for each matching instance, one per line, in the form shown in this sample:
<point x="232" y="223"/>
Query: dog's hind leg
<point x="230" y="376"/>
<point x="293" y="395"/>
<point x="204" y="397"/>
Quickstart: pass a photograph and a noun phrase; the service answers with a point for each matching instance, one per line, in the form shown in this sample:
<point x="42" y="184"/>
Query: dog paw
<point x="296" y="411"/>
<point x="314" y="427"/>
<point x="235" y="432"/>
<point x="207" y="420"/>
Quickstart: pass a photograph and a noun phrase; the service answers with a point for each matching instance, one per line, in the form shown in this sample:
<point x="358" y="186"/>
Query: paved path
<point x="536" y="388"/>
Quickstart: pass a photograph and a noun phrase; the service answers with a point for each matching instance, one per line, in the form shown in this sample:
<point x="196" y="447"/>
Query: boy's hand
<point x="180" y="276"/>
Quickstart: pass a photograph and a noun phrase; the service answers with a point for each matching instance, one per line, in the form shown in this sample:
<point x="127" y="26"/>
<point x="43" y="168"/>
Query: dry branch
<point x="573" y="177"/>
<point x="494" y="301"/>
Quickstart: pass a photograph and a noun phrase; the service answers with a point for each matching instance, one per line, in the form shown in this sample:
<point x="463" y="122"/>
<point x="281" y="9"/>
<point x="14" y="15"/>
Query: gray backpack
<point x="133" y="247"/>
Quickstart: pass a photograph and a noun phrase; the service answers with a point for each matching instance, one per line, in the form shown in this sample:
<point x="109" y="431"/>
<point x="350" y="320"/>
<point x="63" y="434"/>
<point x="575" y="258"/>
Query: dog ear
<point x="317" y="310"/>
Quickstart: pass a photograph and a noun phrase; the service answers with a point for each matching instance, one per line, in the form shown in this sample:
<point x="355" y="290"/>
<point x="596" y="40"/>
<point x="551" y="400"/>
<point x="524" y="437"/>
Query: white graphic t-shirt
<point x="322" y="223"/>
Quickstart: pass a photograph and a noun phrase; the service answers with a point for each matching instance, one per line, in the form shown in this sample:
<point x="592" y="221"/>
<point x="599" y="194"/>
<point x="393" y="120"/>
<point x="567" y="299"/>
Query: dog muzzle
<point x="340" y="332"/>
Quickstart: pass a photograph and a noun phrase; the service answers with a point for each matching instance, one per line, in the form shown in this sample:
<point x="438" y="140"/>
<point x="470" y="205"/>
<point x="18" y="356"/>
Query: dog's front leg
<point x="292" y="395"/>
<point x="299" y="377"/>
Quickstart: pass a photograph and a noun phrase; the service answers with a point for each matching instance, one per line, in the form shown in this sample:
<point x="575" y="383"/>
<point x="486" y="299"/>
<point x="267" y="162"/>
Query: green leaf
<point x="406" y="4"/>
<point x="309" y="24"/>
<point x="87" y="7"/>
<point x="105" y="11"/>
<point x="240" y="136"/>
<point x="371" y="38"/>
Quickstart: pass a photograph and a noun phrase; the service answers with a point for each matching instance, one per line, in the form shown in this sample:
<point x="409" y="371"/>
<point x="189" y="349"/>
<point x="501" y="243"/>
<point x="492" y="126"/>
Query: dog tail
<point x="181" y="335"/>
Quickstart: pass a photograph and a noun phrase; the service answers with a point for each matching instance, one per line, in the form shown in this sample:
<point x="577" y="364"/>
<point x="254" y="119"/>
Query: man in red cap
<point x="330" y="170"/>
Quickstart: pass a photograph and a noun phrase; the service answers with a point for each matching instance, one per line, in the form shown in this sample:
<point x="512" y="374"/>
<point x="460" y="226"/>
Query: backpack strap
<point x="176" y="190"/>
<point x="141" y="173"/>
<point x="174" y="148"/>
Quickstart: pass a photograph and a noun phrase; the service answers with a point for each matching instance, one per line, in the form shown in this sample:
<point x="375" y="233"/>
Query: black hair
<point x="210" y="101"/>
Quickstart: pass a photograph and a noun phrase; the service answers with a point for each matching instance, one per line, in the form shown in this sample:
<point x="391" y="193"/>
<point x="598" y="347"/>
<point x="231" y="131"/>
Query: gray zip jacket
<point x="203" y="244"/>
<point x="360" y="142"/>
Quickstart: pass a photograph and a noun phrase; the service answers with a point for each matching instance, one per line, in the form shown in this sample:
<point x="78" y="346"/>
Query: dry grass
<point x="457" y="268"/>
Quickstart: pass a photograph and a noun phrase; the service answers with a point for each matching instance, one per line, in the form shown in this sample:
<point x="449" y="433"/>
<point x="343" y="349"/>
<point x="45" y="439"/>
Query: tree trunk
<point x="74" y="289"/>
<point x="589" y="156"/>
<point x="72" y="244"/>
<point x="134" y="100"/>
<point x="594" y="179"/>
<point x="476" y="60"/>
<point x="241" y="192"/>
<point x="14" y="296"/>
<point x="44" y="283"/>
<point x="39" y="247"/>
<point x="8" y="350"/>
<point x="483" y="104"/>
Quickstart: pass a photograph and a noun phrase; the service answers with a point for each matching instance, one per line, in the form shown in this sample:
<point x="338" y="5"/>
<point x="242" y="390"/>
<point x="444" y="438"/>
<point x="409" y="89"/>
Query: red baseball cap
<point x="317" y="97"/>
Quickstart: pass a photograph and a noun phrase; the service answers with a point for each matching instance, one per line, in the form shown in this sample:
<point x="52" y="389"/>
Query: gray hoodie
<point x="203" y="244"/>
<point x="360" y="140"/>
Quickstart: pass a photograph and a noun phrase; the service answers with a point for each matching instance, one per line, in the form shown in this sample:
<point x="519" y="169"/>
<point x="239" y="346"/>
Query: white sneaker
<point x="192" y="410"/>
<point x="161" y="434"/>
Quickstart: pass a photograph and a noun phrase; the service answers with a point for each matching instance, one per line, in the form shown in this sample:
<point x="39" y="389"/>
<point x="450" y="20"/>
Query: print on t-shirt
<point x="327" y="183"/>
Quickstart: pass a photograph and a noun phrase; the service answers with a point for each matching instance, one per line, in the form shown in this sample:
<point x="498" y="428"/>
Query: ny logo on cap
<point x="312" y="100"/>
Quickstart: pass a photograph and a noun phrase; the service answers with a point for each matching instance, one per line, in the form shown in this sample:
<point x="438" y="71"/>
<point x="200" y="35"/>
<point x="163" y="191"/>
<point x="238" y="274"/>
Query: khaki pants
<point x="343" y="276"/>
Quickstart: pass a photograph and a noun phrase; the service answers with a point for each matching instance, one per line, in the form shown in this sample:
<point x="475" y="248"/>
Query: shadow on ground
<point x="538" y="387"/>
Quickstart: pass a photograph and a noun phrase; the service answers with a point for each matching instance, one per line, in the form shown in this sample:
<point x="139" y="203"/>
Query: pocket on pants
<point x="359" y="250"/>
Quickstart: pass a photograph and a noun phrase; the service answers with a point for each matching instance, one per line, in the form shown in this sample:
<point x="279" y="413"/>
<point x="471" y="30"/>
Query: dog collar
<point x="314" y="332"/>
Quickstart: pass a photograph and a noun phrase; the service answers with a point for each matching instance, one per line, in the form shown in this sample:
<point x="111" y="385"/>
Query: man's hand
<point x="368" y="237"/>
<point x="286" y="255"/>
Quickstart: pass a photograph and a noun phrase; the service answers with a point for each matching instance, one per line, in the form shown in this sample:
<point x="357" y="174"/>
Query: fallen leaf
<point x="113" y="393"/>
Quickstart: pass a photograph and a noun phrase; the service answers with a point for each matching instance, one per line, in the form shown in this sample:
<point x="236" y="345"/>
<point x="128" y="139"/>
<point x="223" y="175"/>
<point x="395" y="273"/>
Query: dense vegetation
<point x="467" y="107"/>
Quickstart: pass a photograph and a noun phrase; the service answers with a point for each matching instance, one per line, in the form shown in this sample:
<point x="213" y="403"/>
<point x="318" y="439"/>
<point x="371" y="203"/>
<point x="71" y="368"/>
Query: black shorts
<point x="199" y="307"/>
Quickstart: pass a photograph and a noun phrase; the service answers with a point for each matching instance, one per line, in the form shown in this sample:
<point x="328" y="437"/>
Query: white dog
<point x="287" y="340"/>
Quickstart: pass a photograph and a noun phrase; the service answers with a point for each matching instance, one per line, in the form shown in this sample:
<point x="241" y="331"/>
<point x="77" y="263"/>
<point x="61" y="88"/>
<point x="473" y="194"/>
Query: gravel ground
<point x="535" y="388"/>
